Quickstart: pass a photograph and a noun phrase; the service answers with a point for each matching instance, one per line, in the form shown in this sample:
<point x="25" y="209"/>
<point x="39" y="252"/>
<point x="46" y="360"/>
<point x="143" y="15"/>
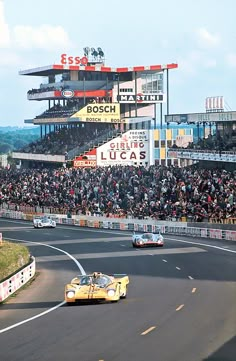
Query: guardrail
<point x="16" y="281"/>
<point x="177" y="228"/>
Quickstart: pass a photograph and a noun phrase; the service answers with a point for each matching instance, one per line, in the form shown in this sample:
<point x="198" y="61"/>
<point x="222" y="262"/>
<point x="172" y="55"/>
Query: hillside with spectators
<point x="161" y="193"/>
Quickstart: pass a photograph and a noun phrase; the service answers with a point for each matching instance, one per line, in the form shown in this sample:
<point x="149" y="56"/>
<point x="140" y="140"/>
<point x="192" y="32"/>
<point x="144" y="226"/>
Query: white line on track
<point x="32" y="318"/>
<point x="164" y="260"/>
<point x="50" y="309"/>
<point x="179" y="308"/>
<point x="73" y="228"/>
<point x="222" y="248"/>
<point x="178" y="268"/>
<point x="148" y="330"/>
<point x="201" y="244"/>
<point x="190" y="277"/>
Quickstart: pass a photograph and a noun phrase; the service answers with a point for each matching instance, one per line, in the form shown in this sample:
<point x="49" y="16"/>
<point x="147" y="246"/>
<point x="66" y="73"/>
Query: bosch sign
<point x="101" y="109"/>
<point x="107" y="113"/>
<point x="67" y="93"/>
<point x="75" y="60"/>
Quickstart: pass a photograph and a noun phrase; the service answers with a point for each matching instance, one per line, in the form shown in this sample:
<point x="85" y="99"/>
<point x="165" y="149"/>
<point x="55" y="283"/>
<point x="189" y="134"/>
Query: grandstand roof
<point x="58" y="68"/>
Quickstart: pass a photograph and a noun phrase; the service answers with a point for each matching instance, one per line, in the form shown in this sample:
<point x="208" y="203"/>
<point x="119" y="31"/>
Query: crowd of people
<point x="215" y="142"/>
<point x="65" y="139"/>
<point x="157" y="192"/>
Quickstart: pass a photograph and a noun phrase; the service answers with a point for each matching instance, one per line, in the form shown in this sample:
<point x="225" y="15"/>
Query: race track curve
<point x="180" y="305"/>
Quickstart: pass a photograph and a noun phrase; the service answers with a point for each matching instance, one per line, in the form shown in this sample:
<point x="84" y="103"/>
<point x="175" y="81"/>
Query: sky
<point x="198" y="35"/>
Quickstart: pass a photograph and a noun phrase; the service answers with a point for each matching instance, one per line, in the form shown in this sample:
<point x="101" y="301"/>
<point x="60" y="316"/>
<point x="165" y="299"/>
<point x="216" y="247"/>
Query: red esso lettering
<point x="73" y="60"/>
<point x="63" y="58"/>
<point x="77" y="60"/>
<point x="70" y="60"/>
<point x="84" y="60"/>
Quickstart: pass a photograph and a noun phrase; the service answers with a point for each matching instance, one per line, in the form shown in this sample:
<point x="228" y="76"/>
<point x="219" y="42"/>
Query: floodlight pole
<point x="161" y="114"/>
<point x="107" y="99"/>
<point x="135" y="87"/>
<point x="167" y="92"/>
<point x="84" y="87"/>
<point x="155" y="116"/>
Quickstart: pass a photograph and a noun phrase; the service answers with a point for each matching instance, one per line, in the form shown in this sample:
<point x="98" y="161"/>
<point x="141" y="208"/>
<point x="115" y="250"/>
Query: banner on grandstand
<point x="183" y="141"/>
<point x="141" y="98"/>
<point x="99" y="113"/>
<point x="88" y="160"/>
<point x="132" y="148"/>
<point x="84" y="163"/>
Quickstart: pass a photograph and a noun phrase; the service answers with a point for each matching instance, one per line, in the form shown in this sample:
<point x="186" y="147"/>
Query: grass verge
<point x="13" y="257"/>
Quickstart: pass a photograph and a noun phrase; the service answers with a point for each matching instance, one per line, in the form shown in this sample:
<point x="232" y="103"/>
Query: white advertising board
<point x="132" y="148"/>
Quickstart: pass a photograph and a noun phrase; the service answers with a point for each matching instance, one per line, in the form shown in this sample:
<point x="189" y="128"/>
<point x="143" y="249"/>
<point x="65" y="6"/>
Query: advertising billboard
<point x="88" y="160"/>
<point x="99" y="112"/>
<point x="182" y="141"/>
<point x="148" y="98"/>
<point x="214" y="104"/>
<point x="132" y="148"/>
<point x="201" y="117"/>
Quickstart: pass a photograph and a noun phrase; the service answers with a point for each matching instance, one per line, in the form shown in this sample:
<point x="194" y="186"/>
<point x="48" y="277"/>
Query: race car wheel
<point x="124" y="294"/>
<point x="134" y="245"/>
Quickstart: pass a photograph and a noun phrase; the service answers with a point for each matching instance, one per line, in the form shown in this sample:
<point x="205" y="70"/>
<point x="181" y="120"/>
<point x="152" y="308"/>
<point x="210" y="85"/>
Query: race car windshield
<point x="101" y="281"/>
<point x="147" y="236"/>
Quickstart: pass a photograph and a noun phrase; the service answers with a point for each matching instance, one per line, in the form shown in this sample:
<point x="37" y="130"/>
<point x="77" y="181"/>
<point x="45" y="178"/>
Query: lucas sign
<point x="102" y="113"/>
<point x="130" y="149"/>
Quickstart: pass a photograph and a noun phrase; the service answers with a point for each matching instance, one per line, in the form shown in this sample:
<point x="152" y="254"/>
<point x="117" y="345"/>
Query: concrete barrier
<point x="15" y="282"/>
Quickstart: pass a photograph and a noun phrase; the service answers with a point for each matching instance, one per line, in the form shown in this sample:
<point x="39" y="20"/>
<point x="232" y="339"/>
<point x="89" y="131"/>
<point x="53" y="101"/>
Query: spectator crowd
<point x="65" y="139"/>
<point x="158" y="192"/>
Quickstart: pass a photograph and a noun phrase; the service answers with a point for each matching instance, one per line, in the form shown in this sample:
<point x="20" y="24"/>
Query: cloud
<point x="4" y="29"/>
<point x="231" y="59"/>
<point x="44" y="37"/>
<point x="9" y="59"/>
<point x="207" y="39"/>
<point x="196" y="60"/>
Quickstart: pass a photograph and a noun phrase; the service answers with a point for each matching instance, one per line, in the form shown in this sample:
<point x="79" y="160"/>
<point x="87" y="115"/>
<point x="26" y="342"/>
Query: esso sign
<point x="68" y="93"/>
<point x="75" y="60"/>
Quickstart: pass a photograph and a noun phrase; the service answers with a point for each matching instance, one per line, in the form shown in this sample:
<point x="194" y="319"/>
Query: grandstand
<point x="215" y="149"/>
<point x="96" y="115"/>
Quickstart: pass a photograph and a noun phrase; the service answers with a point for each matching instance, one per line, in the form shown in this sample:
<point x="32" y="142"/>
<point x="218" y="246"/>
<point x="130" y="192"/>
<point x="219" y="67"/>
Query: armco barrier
<point x="13" y="283"/>
<point x="121" y="224"/>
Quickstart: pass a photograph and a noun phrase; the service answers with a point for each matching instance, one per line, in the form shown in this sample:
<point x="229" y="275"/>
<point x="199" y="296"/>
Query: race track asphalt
<point x="181" y="303"/>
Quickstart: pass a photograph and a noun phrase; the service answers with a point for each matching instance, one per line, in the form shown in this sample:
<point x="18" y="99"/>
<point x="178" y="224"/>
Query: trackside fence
<point x="13" y="283"/>
<point x="133" y="225"/>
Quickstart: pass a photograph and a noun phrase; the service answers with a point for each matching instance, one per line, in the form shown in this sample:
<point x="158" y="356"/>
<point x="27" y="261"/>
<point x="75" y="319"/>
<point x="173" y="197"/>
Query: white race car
<point x="44" y="222"/>
<point x="147" y="239"/>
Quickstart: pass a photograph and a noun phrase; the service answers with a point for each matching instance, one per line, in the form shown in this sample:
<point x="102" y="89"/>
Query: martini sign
<point x="149" y="98"/>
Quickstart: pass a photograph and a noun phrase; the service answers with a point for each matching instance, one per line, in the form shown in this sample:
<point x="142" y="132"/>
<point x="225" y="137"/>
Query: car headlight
<point x="70" y="294"/>
<point x="140" y="241"/>
<point x="111" y="292"/>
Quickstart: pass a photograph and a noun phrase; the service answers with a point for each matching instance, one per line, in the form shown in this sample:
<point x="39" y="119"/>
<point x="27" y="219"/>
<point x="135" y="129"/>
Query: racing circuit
<point x="180" y="303"/>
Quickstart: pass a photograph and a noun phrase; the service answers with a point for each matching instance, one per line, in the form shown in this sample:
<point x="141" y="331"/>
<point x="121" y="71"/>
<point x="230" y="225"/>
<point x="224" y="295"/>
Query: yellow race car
<point x="96" y="287"/>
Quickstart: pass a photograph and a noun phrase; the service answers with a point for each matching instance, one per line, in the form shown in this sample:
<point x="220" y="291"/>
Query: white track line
<point x="73" y="228"/>
<point x="32" y="318"/>
<point x="50" y="309"/>
<point x="202" y="244"/>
